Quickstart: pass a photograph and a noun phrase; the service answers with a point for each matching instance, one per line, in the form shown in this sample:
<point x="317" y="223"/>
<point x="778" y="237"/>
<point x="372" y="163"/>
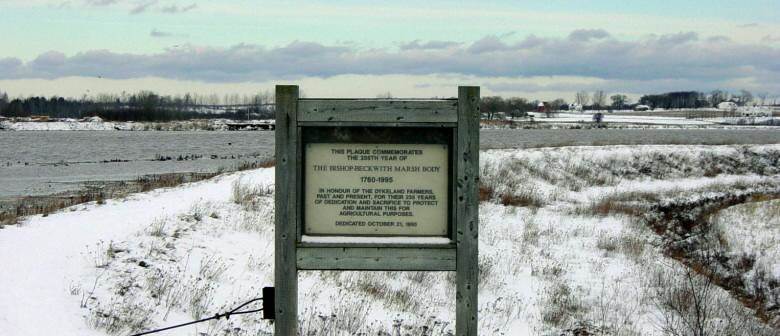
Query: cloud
<point x="588" y="34"/>
<point x="61" y="5"/>
<point x="673" y="40"/>
<point x="771" y="39"/>
<point x="142" y="7"/>
<point x="159" y="33"/>
<point x="488" y="44"/>
<point x="156" y="33"/>
<point x="416" y="45"/>
<point x="174" y="9"/>
<point x="718" y="38"/>
<point x="99" y="3"/>
<point x="749" y="25"/>
<point x="681" y="58"/>
<point x="11" y="66"/>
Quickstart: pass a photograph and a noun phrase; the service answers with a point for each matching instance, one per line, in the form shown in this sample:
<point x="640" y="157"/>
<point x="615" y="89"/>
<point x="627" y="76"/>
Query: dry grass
<point x="247" y="195"/>
<point x="628" y="203"/>
<point x="485" y="192"/>
<point x="45" y="205"/>
<point x="527" y="198"/>
<point x="8" y="218"/>
<point x="607" y="243"/>
<point x="562" y="306"/>
<point x="495" y="122"/>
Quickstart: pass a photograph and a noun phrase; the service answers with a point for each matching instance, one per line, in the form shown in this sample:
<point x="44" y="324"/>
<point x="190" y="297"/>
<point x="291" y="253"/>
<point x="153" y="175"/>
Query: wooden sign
<point x="376" y="189"/>
<point x="376" y="184"/>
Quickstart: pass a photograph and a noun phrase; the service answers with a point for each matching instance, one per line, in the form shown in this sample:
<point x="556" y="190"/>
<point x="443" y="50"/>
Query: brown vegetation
<point x="691" y="239"/>
<point x="44" y="205"/>
<point x="485" y="192"/>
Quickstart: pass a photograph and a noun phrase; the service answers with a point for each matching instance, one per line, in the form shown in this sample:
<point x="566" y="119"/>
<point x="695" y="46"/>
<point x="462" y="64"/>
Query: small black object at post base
<point x="269" y="303"/>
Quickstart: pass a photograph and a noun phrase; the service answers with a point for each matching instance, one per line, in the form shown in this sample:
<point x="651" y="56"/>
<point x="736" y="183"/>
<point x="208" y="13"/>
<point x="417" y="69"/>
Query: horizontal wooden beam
<point x="377" y="259"/>
<point x="383" y="111"/>
<point x="374" y="124"/>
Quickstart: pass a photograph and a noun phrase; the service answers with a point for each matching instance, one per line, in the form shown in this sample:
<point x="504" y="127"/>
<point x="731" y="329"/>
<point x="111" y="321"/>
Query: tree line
<point x="141" y="106"/>
<point x="150" y="106"/>
<point x="695" y="99"/>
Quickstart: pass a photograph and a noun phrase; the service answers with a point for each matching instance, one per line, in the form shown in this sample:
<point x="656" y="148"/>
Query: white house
<point x="727" y="106"/>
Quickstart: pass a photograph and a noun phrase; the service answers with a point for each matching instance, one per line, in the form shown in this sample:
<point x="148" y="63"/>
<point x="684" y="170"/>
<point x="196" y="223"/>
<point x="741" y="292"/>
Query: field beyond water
<point x="611" y="240"/>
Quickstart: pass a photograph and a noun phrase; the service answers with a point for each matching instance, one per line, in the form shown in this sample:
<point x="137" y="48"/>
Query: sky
<point x="540" y="50"/>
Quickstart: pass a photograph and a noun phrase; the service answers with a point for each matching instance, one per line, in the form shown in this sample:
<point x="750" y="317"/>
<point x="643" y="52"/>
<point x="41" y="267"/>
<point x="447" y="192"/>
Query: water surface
<point x="45" y="162"/>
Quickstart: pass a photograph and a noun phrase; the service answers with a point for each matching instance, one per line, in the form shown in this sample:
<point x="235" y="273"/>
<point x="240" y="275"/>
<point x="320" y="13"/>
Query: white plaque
<point x="376" y="189"/>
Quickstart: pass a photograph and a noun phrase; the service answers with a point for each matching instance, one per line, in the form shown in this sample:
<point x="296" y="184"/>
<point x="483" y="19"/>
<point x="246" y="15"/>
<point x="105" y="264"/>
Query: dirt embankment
<point x="690" y="237"/>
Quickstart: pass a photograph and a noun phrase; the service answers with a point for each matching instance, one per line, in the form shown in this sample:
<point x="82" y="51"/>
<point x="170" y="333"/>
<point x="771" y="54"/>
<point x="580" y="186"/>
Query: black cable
<point x="215" y="317"/>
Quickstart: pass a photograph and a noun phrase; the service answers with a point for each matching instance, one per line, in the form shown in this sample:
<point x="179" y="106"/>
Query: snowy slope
<point x="45" y="256"/>
<point x="549" y="264"/>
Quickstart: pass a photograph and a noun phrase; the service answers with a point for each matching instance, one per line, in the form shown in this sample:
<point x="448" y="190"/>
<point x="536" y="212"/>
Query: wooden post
<point x="286" y="210"/>
<point x="467" y="211"/>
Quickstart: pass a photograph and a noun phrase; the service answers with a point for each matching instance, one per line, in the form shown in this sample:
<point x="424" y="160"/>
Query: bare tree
<point x="582" y="98"/>
<point x="517" y="106"/>
<point x="3" y="101"/>
<point x="491" y="105"/>
<point x="762" y="97"/>
<point x="618" y="101"/>
<point x="718" y="96"/>
<point x="745" y="97"/>
<point x="557" y="104"/>
<point x="599" y="98"/>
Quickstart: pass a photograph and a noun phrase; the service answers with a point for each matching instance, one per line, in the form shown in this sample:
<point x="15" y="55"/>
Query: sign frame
<point x="295" y="116"/>
<point x="372" y="136"/>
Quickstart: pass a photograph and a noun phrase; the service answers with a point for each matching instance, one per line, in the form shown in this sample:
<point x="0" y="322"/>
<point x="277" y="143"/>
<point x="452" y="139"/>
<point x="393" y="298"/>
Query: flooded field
<point x="46" y="162"/>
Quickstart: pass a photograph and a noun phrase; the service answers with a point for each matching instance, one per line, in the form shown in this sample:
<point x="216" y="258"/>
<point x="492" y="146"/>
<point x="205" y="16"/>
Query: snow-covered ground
<point x="551" y="260"/>
<point x="646" y="118"/>
<point x="74" y="125"/>
<point x="65" y="126"/>
<point x="588" y="117"/>
<point x="753" y="228"/>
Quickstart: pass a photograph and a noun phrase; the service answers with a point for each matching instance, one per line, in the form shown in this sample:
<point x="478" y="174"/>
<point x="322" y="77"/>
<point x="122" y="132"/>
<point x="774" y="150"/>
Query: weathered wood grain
<point x="467" y="227"/>
<point x="285" y="211"/>
<point x="407" y="111"/>
<point x="375" y="124"/>
<point x="376" y="258"/>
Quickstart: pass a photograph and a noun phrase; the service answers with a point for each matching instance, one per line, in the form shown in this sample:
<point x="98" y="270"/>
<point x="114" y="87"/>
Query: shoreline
<point x="15" y="208"/>
<point x="539" y="122"/>
<point x="182" y="125"/>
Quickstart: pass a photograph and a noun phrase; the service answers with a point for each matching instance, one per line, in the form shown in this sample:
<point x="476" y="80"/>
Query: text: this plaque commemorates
<point x="376" y="189"/>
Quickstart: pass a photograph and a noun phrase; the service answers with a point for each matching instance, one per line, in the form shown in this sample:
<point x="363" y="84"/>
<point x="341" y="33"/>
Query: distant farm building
<point x="642" y="108"/>
<point x="39" y="118"/>
<point x="727" y="106"/>
<point x="92" y="119"/>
